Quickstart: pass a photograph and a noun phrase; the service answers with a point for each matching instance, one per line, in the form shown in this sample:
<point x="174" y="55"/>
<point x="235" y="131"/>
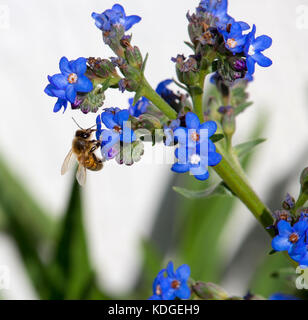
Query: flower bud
<point x="187" y="70"/>
<point x="228" y="121"/>
<point x="102" y="67"/>
<point x="209" y="291"/>
<point x="134" y="57"/>
<point x="93" y="100"/>
<point x="304" y="181"/>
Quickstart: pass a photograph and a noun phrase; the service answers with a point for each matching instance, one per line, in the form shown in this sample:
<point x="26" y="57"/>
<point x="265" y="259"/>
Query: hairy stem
<point x="149" y="93"/>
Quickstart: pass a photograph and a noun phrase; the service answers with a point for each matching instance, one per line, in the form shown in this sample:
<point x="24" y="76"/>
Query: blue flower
<point x="173" y="285"/>
<point x="116" y="120"/>
<point x="168" y="95"/>
<point x="281" y="296"/>
<point x="253" y="51"/>
<point x="113" y="17"/>
<point x="139" y="108"/>
<point x="170" y="139"/>
<point x="234" y="38"/>
<point x="196" y="151"/>
<point x="71" y="80"/>
<point x="290" y="238"/>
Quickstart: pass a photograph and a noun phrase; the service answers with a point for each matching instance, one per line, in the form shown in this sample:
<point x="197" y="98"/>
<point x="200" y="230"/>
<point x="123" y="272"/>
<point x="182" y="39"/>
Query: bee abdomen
<point x="93" y="164"/>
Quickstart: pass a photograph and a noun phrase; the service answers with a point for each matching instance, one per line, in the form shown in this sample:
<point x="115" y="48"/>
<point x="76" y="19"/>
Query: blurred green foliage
<point x="187" y="229"/>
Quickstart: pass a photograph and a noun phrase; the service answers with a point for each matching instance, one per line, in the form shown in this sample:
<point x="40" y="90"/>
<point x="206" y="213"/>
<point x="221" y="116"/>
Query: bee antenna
<point x="77" y="124"/>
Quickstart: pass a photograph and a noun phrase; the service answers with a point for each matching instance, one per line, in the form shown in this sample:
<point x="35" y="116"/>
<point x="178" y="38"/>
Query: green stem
<point x="197" y="97"/>
<point x="149" y="93"/>
<point x="228" y="170"/>
<point x="302" y="199"/>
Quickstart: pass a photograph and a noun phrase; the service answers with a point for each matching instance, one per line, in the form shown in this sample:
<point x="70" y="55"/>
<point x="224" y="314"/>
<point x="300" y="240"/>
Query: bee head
<point x="84" y="134"/>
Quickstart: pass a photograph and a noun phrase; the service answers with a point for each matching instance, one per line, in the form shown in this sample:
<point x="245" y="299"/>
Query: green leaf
<point x="245" y="148"/>
<point x="241" y="108"/>
<point x="190" y="45"/>
<point x="218" y="190"/>
<point x="71" y="255"/>
<point x="217" y="137"/>
<point x="144" y="63"/>
<point x="195" y="90"/>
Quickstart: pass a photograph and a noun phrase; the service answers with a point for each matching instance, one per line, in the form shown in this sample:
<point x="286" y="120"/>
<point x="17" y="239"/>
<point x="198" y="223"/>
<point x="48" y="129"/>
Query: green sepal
<point x="217" y="137"/>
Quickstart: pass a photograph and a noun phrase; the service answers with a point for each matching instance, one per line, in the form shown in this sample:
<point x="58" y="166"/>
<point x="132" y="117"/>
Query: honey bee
<point x="83" y="148"/>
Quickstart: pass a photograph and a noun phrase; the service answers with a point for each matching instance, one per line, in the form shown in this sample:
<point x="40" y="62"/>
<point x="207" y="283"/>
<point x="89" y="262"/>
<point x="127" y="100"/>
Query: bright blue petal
<point x="170" y="270"/>
<point x="70" y="93"/>
<point x="79" y="66"/>
<point x="59" y="81"/>
<point x="119" y="9"/>
<point x="251" y="63"/>
<point x="203" y="177"/>
<point x="59" y="104"/>
<point x="214" y="159"/>
<point x="83" y="84"/>
<point x="155" y="297"/>
<point x="121" y="117"/>
<point x="245" y="26"/>
<point x="301" y="227"/>
<point x="192" y="121"/>
<point x="108" y="120"/>
<point x="211" y="126"/>
<point x="180" y="168"/>
<point x="162" y="86"/>
<point x="130" y="21"/>
<point x="64" y="66"/>
<point x="284" y="228"/>
<point x="183" y="292"/>
<point x="280" y="243"/>
<point x="262" y="43"/>
<point x="48" y="90"/>
<point x="183" y="272"/>
<point x="262" y="60"/>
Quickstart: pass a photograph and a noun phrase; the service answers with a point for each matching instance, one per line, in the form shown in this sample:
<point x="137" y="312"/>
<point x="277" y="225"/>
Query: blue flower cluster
<point x="170" y="284"/>
<point x="139" y="108"/>
<point x="69" y="82"/>
<point x="196" y="152"/>
<point x="114" y="17"/>
<point x="233" y="32"/>
<point x="293" y="239"/>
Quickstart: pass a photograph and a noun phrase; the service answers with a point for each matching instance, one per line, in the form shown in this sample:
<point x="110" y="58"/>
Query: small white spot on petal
<point x="195" y="159"/>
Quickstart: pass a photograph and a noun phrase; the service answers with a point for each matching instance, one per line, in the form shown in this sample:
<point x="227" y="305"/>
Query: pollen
<point x="158" y="290"/>
<point x="175" y="284"/>
<point x="195" y="137"/>
<point x="231" y="43"/>
<point x="72" y="78"/>
<point x="294" y="238"/>
<point x="195" y="159"/>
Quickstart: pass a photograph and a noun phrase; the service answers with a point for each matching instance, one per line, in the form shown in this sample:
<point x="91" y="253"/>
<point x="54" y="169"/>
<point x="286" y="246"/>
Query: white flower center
<point x="72" y="78"/>
<point x="231" y="43"/>
<point x="251" y="51"/>
<point x="195" y="159"/>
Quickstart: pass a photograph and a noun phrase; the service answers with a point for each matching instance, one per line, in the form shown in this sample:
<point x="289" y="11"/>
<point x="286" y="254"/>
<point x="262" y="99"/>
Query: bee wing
<point x="68" y="162"/>
<point x="81" y="175"/>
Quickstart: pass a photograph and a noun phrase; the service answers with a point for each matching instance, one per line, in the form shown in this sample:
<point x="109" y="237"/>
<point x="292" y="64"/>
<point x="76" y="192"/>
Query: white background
<point x="121" y="201"/>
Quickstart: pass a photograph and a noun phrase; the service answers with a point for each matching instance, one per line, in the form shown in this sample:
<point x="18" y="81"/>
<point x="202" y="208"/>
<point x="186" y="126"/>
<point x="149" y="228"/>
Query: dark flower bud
<point x="93" y="100"/>
<point x="289" y="202"/>
<point x="125" y="41"/>
<point x="102" y="67"/>
<point x="187" y="69"/>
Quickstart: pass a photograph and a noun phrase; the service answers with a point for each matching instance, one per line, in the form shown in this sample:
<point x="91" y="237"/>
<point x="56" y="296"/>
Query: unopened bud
<point x="209" y="291"/>
<point x="228" y="121"/>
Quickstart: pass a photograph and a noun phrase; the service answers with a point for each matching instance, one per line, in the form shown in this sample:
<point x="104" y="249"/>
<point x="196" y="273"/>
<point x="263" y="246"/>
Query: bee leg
<point x="96" y="144"/>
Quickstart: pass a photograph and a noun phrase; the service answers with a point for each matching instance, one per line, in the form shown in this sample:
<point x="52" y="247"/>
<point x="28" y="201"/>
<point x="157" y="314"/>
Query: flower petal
<point x="180" y="168"/>
<point x="170" y="270"/>
<point x="284" y="228"/>
<point x="251" y="65"/>
<point x="108" y="120"/>
<point x="83" y="84"/>
<point x="262" y="43"/>
<point x="280" y="243"/>
<point x="130" y="21"/>
<point x="214" y="159"/>
<point x="262" y="60"/>
<point x="79" y="66"/>
<point x="183" y="292"/>
<point x="183" y="272"/>
<point x="192" y="121"/>
<point x="70" y="93"/>
<point x="59" y="81"/>
<point x="64" y="66"/>
<point x="211" y="126"/>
